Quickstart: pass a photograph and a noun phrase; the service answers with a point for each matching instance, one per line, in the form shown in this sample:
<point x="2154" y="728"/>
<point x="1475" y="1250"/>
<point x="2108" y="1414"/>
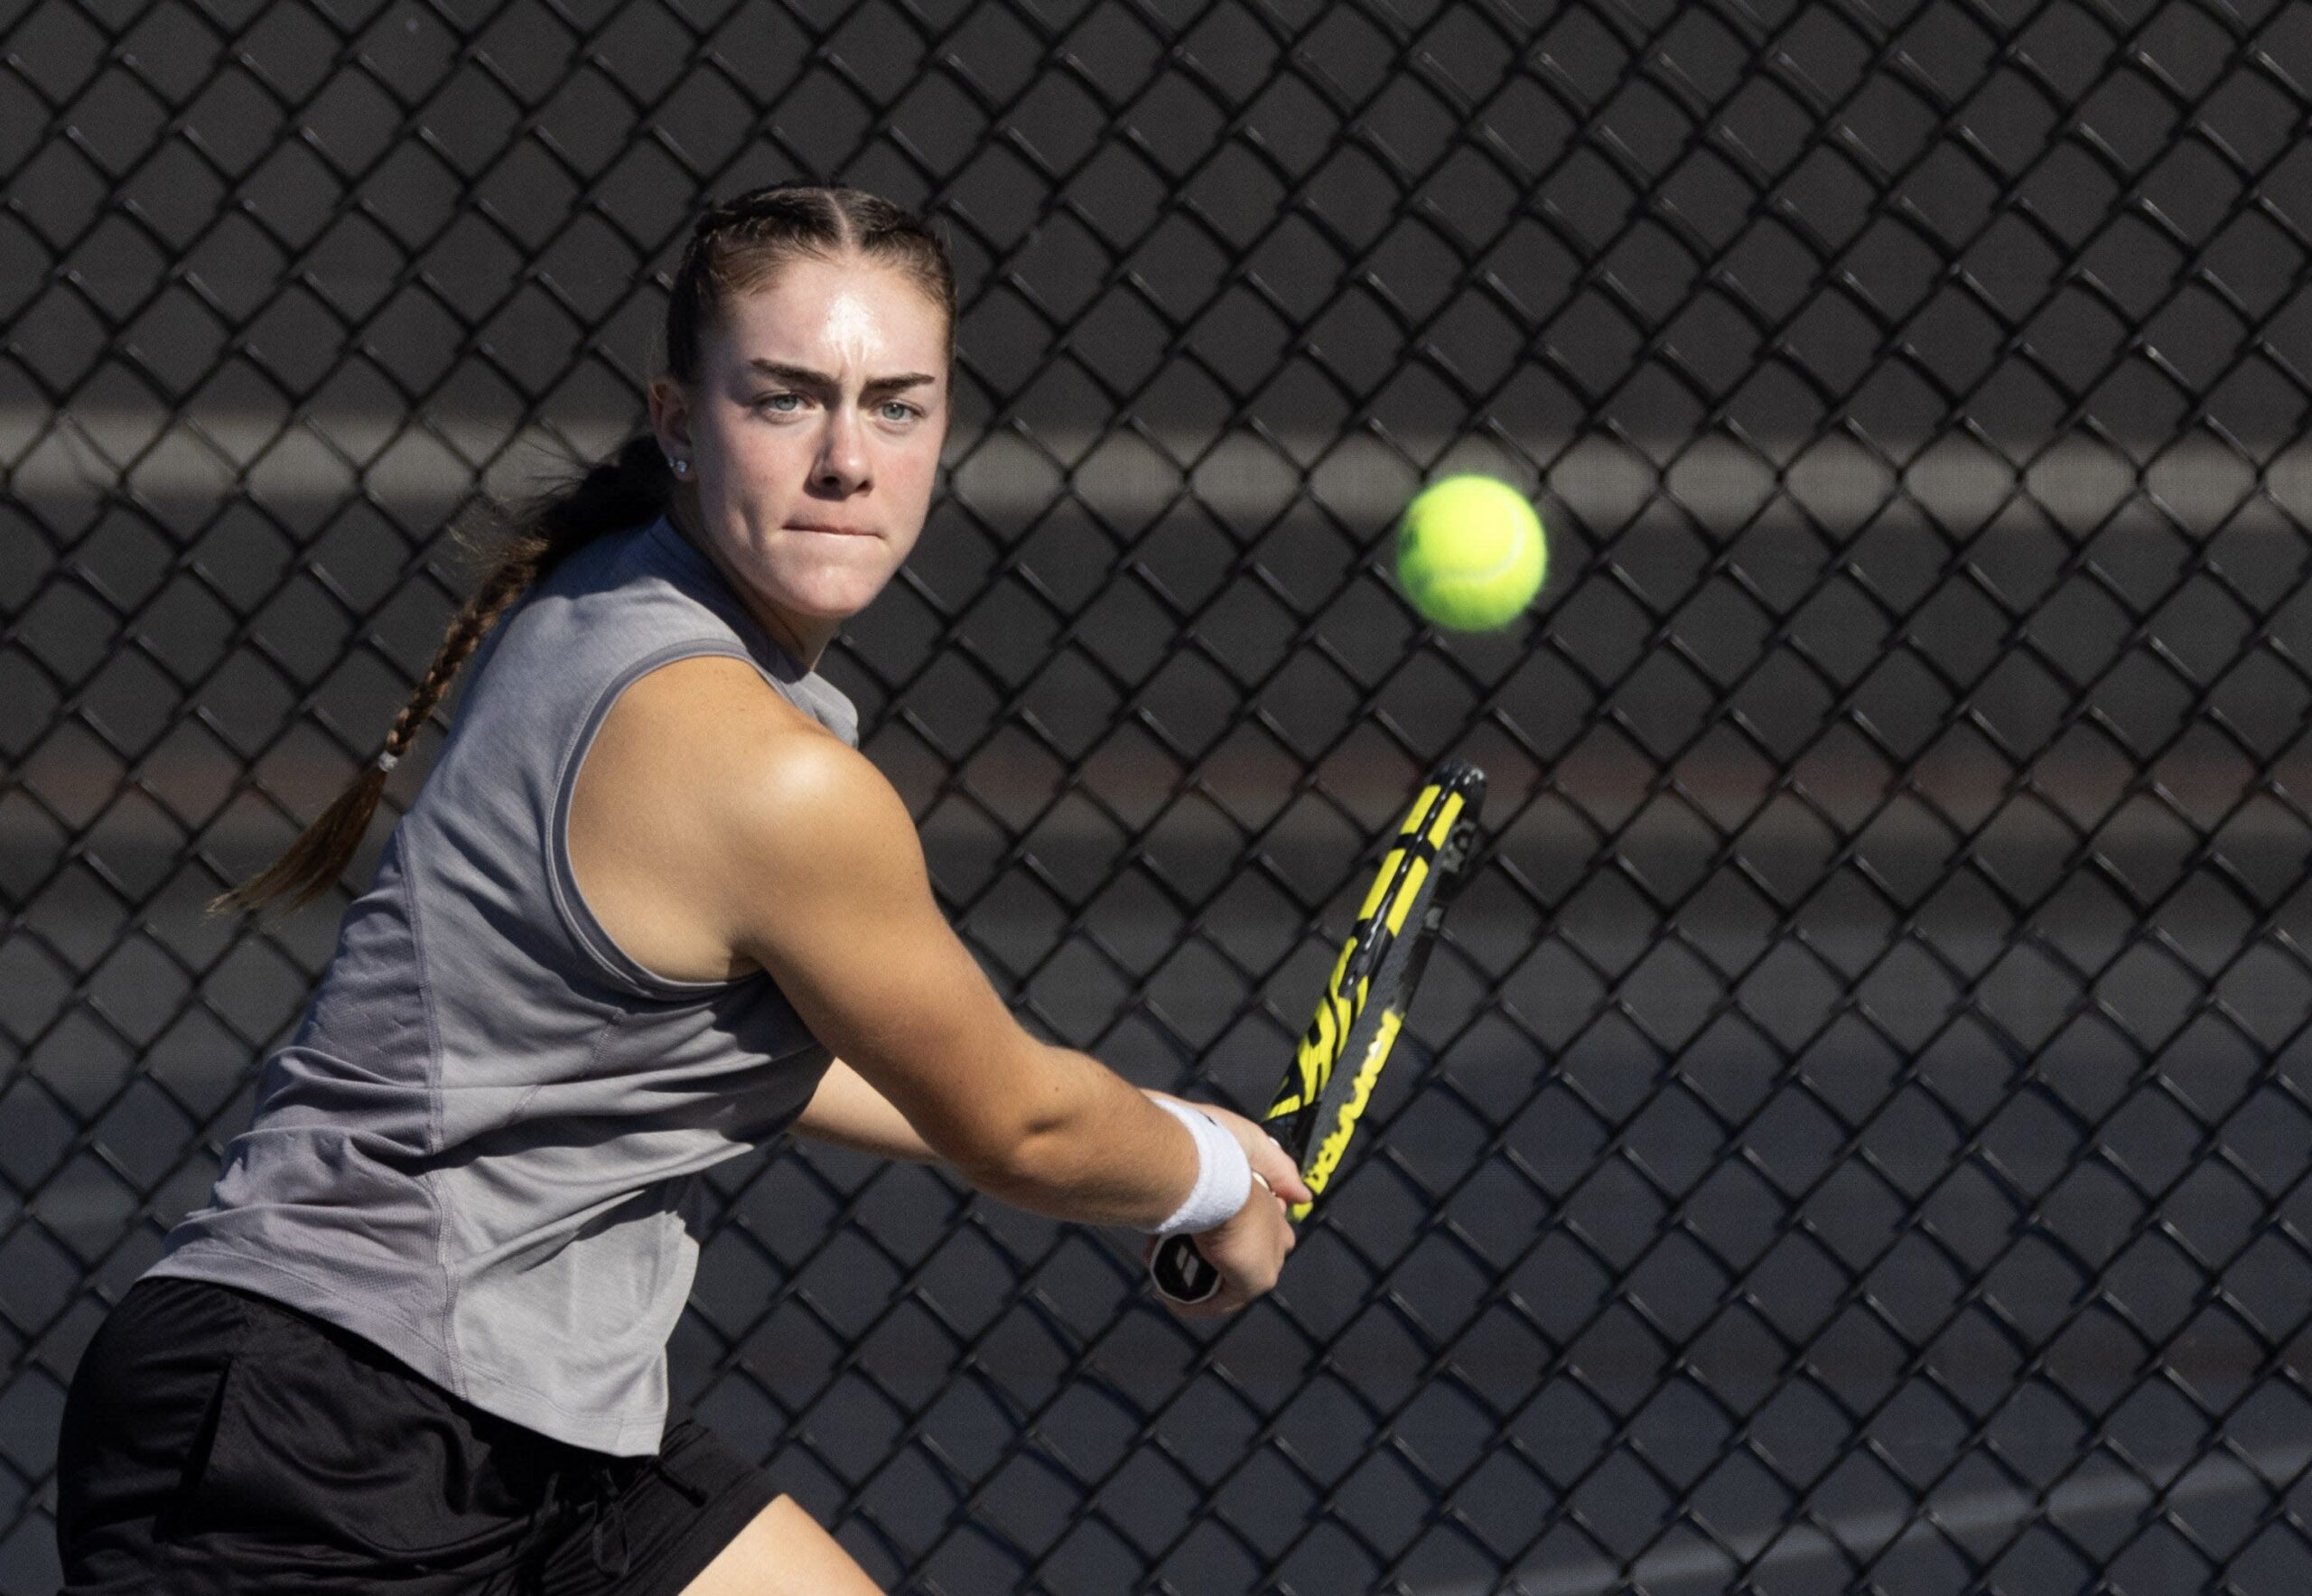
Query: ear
<point x="670" y="416"/>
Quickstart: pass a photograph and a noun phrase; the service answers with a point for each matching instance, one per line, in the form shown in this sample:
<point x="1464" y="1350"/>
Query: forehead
<point x="851" y="316"/>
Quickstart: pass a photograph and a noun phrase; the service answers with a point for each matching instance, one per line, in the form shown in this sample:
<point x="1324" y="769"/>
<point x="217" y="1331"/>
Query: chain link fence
<point x="1868" y="1139"/>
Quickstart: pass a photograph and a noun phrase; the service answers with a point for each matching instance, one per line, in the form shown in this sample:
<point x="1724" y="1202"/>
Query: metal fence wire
<point x="1866" y="1142"/>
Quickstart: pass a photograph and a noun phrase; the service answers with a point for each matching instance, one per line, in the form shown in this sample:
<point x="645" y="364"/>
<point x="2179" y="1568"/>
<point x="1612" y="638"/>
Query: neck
<point x="806" y="636"/>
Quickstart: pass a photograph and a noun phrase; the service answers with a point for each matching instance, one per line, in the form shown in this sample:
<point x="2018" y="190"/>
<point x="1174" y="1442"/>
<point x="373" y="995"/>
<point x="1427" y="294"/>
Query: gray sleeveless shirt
<point x="481" y="1148"/>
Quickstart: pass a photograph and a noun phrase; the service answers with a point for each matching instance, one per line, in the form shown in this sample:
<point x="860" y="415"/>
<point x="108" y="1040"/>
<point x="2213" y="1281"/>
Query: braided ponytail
<point x="535" y="534"/>
<point x="734" y="248"/>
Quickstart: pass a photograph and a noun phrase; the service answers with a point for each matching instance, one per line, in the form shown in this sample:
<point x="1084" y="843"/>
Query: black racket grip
<point x="1181" y="1272"/>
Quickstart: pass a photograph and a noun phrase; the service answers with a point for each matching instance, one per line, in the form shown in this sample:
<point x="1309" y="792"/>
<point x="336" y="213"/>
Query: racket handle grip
<point x="1181" y="1272"/>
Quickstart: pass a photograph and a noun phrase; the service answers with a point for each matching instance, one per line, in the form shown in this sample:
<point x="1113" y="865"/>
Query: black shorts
<point x="218" y="1440"/>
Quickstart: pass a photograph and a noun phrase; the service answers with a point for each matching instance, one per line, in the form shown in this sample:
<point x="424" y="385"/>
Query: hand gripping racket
<point x="1364" y="1005"/>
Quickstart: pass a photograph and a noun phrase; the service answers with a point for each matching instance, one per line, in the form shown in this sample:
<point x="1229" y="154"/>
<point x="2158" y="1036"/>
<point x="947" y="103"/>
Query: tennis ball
<point x="1471" y="553"/>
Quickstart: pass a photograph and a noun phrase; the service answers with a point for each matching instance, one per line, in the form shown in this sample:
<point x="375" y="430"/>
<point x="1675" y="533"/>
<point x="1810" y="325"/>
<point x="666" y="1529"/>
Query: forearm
<point x="1099" y="1152"/>
<point x="1103" y="1154"/>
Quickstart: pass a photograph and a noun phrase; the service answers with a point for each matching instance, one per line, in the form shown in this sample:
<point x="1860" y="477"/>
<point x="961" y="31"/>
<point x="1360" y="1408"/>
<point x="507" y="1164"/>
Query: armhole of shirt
<point x="624" y="971"/>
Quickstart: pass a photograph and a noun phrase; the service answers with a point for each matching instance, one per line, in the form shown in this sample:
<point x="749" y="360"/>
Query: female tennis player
<point x="650" y="909"/>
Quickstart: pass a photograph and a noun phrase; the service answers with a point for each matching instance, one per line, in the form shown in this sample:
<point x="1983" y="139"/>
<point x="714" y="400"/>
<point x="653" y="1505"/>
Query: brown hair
<point x="734" y="248"/>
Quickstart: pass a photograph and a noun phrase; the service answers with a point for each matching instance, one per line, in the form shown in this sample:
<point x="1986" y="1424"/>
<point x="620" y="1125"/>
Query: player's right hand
<point x="1269" y="1159"/>
<point x="1249" y="1249"/>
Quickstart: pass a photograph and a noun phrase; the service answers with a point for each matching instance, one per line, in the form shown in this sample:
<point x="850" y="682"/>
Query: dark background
<point x="1866" y="1143"/>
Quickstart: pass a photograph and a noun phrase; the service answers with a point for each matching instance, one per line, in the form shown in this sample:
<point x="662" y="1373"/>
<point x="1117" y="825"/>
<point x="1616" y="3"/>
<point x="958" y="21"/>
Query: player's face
<point x="814" y="434"/>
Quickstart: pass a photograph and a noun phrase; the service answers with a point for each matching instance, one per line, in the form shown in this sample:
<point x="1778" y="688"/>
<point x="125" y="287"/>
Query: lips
<point x="832" y="531"/>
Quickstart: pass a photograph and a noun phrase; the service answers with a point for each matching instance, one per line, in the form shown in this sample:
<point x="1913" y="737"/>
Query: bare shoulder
<point x="708" y="686"/>
<point x="745" y="748"/>
<point x="702" y="777"/>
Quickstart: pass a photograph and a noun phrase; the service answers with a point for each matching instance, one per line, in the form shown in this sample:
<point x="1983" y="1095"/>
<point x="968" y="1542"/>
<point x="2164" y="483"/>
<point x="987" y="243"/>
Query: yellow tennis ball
<point x="1471" y="553"/>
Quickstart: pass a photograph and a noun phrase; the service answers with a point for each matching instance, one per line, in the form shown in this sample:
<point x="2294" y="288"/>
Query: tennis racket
<point x="1319" y="1104"/>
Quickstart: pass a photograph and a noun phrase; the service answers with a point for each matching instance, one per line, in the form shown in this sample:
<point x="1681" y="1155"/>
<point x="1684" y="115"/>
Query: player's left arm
<point x="846" y="1111"/>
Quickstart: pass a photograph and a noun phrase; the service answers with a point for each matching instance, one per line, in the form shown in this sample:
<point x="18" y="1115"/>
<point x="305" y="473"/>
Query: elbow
<point x="1019" y="1168"/>
<point x="1038" y="1145"/>
<point x="1035" y="1165"/>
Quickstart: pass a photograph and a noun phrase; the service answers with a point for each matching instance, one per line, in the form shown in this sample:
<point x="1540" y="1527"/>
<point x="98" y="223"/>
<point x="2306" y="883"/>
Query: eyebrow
<point x="806" y="376"/>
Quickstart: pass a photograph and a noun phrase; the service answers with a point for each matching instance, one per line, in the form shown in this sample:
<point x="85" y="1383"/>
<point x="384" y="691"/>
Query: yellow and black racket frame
<point x="1325" y="1092"/>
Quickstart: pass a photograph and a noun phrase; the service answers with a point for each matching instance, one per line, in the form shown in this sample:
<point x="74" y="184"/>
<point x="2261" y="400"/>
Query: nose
<point x="842" y="466"/>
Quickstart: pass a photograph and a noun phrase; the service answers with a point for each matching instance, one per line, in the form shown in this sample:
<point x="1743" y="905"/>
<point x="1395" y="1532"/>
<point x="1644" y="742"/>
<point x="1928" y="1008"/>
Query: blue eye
<point x="769" y="399"/>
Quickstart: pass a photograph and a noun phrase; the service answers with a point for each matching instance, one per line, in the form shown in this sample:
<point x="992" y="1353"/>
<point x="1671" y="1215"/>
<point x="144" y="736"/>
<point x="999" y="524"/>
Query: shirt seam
<point x="453" y="1353"/>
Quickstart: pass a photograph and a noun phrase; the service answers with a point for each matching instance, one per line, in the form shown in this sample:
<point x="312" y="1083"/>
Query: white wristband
<point x="1223" y="1175"/>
